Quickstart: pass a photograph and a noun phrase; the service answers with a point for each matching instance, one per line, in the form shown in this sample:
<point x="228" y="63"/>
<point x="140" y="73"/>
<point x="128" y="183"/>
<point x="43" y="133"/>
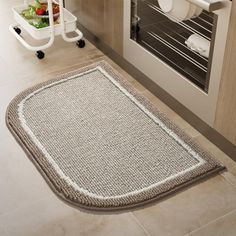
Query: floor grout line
<point x="140" y="224"/>
<point x="228" y="180"/>
<point x="210" y="222"/>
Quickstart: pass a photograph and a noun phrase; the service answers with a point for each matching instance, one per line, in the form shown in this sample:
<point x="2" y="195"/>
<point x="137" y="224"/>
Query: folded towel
<point x="199" y="44"/>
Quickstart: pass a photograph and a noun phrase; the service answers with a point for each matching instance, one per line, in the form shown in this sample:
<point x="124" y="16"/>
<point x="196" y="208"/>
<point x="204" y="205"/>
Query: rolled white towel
<point x="199" y="44"/>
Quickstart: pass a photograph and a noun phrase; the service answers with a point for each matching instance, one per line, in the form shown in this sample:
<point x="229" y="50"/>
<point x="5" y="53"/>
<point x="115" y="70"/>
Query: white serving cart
<point x="66" y="25"/>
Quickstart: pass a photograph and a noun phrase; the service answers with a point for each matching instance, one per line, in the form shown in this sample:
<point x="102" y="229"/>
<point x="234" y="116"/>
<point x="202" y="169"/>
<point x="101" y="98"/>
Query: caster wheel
<point x="40" y="54"/>
<point x="18" y="30"/>
<point x="81" y="43"/>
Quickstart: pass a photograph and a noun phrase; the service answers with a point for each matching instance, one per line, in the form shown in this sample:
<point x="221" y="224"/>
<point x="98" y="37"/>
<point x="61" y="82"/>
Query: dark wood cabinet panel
<point x="104" y="18"/>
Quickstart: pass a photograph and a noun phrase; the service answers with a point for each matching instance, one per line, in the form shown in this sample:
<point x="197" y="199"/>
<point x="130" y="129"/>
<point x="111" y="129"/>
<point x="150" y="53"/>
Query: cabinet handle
<point x="208" y="5"/>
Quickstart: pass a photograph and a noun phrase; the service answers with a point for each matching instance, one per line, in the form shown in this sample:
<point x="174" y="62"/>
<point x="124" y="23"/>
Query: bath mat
<point x="100" y="144"/>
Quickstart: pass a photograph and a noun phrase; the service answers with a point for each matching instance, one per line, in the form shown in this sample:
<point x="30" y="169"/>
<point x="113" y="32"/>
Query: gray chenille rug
<point x="101" y="145"/>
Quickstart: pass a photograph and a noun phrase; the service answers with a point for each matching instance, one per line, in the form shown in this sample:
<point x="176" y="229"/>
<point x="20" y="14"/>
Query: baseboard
<point x="211" y="134"/>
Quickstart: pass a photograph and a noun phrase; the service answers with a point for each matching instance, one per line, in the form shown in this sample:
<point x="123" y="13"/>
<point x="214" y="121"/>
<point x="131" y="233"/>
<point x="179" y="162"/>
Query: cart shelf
<point x="66" y="24"/>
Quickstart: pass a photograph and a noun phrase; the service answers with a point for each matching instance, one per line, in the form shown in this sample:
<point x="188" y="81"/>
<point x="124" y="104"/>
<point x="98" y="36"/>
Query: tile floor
<point x="27" y="205"/>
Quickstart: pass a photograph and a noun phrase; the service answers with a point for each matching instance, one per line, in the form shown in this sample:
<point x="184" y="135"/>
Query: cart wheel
<point x="40" y="54"/>
<point x="18" y="30"/>
<point x="81" y="43"/>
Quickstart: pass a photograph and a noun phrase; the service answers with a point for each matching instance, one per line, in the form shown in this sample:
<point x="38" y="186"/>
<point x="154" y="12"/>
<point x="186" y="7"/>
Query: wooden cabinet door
<point x="104" y="18"/>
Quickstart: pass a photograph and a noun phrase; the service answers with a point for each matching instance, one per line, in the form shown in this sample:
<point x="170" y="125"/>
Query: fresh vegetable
<point x="37" y="4"/>
<point x="39" y="11"/>
<point x="39" y="24"/>
<point x="29" y="13"/>
<point x="56" y="8"/>
<point x="35" y="12"/>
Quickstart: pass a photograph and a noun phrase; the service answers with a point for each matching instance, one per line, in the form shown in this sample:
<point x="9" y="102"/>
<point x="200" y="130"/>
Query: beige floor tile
<point x="190" y="209"/>
<point x="217" y="153"/>
<point x="6" y="6"/>
<point x="224" y="226"/>
<point x="52" y="217"/>
<point x="8" y="92"/>
<point x="20" y="182"/>
<point x="7" y="76"/>
<point x="231" y="178"/>
<point x="23" y="63"/>
<point x="61" y="55"/>
<point x="93" y="225"/>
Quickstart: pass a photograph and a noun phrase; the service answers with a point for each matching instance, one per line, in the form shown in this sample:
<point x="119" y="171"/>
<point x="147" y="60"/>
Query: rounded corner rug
<point x="100" y="144"/>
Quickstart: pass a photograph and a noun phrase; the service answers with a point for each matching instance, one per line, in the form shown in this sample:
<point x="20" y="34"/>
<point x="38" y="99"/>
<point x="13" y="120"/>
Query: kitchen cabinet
<point x="225" y="119"/>
<point x="104" y="18"/>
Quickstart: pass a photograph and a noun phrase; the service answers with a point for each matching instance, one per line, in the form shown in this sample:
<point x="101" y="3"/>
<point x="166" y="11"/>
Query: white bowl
<point x="198" y="12"/>
<point x="192" y="11"/>
<point x="180" y="9"/>
<point x="166" y="5"/>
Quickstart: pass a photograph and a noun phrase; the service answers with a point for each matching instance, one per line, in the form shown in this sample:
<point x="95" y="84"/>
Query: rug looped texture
<point x="100" y="144"/>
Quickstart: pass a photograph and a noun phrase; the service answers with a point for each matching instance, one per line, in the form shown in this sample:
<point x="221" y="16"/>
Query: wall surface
<point x="225" y="120"/>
